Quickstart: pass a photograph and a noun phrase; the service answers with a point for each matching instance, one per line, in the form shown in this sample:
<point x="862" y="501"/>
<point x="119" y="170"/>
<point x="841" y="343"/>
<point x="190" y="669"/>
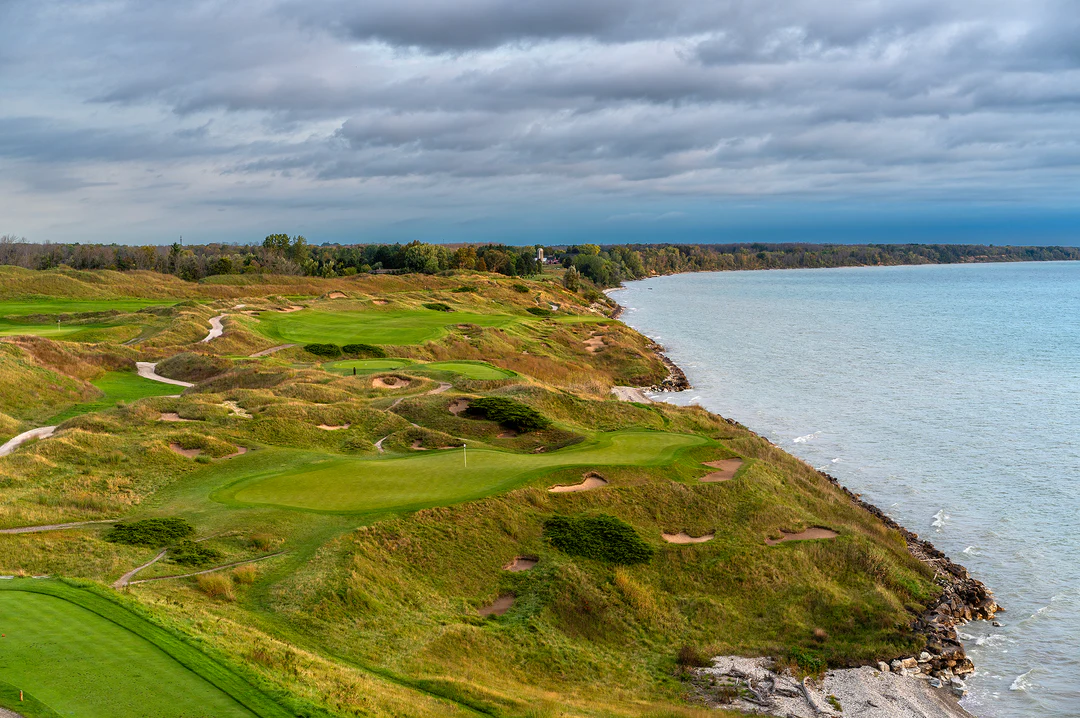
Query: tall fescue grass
<point x="216" y="585"/>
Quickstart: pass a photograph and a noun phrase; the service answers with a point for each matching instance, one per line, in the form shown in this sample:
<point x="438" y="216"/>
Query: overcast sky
<point x="552" y="121"/>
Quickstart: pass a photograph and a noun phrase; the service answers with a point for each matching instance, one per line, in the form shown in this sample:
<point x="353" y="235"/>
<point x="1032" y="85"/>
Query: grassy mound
<point x="189" y="366"/>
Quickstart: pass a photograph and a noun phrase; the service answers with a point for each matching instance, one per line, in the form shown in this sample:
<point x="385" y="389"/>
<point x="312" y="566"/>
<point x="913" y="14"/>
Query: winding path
<point x="198" y="573"/>
<point x="126" y="578"/>
<point x="42" y="432"/>
<point x="216" y="328"/>
<point x="443" y="386"/>
<point x="147" y="371"/>
<point x="271" y="350"/>
<point x="54" y="527"/>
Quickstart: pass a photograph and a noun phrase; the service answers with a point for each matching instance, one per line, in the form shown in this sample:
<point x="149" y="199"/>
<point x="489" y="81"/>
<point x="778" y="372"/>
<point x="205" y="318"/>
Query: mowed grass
<point x="364" y="366"/>
<point x="430" y="478"/>
<point x="118" y="386"/>
<point x="80" y="664"/>
<point x="397" y="326"/>
<point x="480" y="371"/>
<point x="51" y="330"/>
<point x="61" y="305"/>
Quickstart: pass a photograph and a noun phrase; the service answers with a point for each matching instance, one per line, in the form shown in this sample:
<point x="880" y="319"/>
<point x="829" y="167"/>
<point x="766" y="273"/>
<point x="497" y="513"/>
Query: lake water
<point x="949" y="396"/>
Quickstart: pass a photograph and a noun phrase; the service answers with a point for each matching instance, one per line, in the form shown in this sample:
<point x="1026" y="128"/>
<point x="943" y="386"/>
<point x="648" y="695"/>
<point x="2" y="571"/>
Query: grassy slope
<point x="117" y="386"/>
<point x="376" y="613"/>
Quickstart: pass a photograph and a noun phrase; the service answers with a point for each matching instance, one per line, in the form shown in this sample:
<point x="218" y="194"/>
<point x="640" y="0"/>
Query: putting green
<point x="119" y="386"/>
<point x="365" y="366"/>
<point x="433" y="477"/>
<point x="81" y="664"/>
<point x="481" y="371"/>
<point x="397" y="326"/>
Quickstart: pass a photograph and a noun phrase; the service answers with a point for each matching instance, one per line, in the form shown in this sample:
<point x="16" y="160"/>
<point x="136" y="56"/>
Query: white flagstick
<point x="465" y="453"/>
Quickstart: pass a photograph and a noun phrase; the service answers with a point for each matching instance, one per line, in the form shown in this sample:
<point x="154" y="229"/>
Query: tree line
<point x="604" y="266"/>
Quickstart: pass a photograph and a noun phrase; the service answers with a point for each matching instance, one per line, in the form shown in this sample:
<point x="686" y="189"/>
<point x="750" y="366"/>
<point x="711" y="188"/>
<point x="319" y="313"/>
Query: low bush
<point x="246" y="574"/>
<point x="690" y="657"/>
<point x="509" y="413"/>
<point x="215" y="585"/>
<point x="264" y="542"/>
<point x="150" y="532"/>
<point x="364" y="350"/>
<point x="599" y="536"/>
<point x="189" y="553"/>
<point x="520" y="288"/>
<point x="465" y="288"/>
<point x="438" y="307"/>
<point x="539" y="311"/>
<point x="323" y="350"/>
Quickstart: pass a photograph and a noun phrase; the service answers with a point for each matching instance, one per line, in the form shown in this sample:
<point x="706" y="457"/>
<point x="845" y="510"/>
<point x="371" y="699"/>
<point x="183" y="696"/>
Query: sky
<point x="553" y="121"/>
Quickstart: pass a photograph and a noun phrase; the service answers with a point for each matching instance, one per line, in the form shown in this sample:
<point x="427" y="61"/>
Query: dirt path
<point x="126" y="578"/>
<point x="147" y="371"/>
<point x="54" y="527"/>
<point x="443" y="386"/>
<point x="42" y="432"/>
<point x="271" y="350"/>
<point x="216" y="328"/>
<point x="378" y="444"/>
<point x="630" y="393"/>
<point x="209" y="570"/>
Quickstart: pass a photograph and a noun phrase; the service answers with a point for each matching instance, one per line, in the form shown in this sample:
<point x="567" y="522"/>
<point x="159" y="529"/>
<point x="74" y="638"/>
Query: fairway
<point x="118" y="386"/>
<point x="80" y="664"/>
<point x="10" y="329"/>
<point x="59" y="305"/>
<point x="438" y="477"/>
<point x="398" y="326"/>
<point x="364" y="366"/>
<point x="480" y="371"/>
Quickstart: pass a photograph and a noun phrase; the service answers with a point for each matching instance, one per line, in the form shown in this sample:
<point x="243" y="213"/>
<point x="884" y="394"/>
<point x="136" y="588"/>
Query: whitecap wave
<point x="1023" y="682"/>
<point x="972" y="551"/>
<point x="837" y="460"/>
<point x="804" y="439"/>
<point x="939" y="519"/>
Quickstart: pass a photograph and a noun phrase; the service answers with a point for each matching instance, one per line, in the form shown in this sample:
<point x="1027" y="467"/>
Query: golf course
<point x="370" y="326"/>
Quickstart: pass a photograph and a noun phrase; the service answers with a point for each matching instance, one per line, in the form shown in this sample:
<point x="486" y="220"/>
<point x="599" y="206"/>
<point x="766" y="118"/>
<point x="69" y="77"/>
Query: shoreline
<point x="963" y="598"/>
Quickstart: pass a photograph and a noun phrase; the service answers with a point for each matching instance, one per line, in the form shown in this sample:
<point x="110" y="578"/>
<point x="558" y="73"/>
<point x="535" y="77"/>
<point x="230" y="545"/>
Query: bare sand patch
<point x="590" y="481"/>
<point x="171" y="416"/>
<point x="499" y="606"/>
<point x="240" y="451"/>
<point x="726" y="469"/>
<point x="521" y="563"/>
<point x="683" y="538"/>
<point x="389" y="382"/>
<point x="594" y="343"/>
<point x="333" y="427"/>
<point x="336" y="295"/>
<point x="271" y="350"/>
<point x="630" y="393"/>
<point x="507" y="435"/>
<point x="235" y="408"/>
<point x="417" y="445"/>
<point x="381" y="302"/>
<point x="190" y="453"/>
<point x="457" y="406"/>
<point x="815" y="532"/>
<point x="290" y="308"/>
<point x="443" y="386"/>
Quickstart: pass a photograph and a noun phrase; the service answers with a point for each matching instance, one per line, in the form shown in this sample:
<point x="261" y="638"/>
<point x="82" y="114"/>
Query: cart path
<point x="42" y="432"/>
<point x="126" y="578"/>
<point x="216" y="328"/>
<point x="199" y="573"/>
<point x="147" y="370"/>
<point x="271" y="350"/>
<point x="54" y="527"/>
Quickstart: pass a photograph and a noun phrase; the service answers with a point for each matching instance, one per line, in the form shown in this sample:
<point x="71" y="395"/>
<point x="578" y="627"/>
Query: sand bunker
<point x="683" y="537"/>
<point x="235" y="408"/>
<point x="458" y="405"/>
<point x="333" y="427"/>
<point x="592" y="480"/>
<point x="291" y="308"/>
<point x="381" y="302"/>
<point x="336" y="295"/>
<point x="815" y="532"/>
<point x="389" y="382"/>
<point x="171" y="416"/>
<point x="521" y="563"/>
<point x="594" y="344"/>
<point x="507" y="435"/>
<point x="190" y="453"/>
<point x="240" y="451"/>
<point x="726" y="470"/>
<point x="499" y="606"/>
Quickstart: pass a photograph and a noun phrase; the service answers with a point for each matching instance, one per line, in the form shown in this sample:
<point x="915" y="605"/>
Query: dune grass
<point x="118" y="386"/>
<point x="394" y="326"/>
<point x="431" y="478"/>
<point x="115" y="664"/>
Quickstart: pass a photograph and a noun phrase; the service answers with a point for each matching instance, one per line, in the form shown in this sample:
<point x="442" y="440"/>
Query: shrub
<point x="539" y="311"/>
<point x="364" y="350"/>
<point x="189" y="553"/>
<point x="600" y="536"/>
<point x="690" y="657"/>
<point x="465" y="288"/>
<point x="150" y="532"/>
<point x="215" y="585"/>
<point x="809" y="662"/>
<point x="323" y="350"/>
<point x="264" y="542"/>
<point x="438" y="306"/>
<point x="520" y="288"/>
<point x="509" y="413"/>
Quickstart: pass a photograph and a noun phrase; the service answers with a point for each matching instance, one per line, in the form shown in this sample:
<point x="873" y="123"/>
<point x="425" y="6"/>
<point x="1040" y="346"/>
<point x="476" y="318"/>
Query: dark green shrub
<point x="509" y="413"/>
<point x="465" y="288"/>
<point x="189" y="553"/>
<point x="150" y="532"/>
<point x="539" y="311"/>
<point x="364" y="350"/>
<point x="600" y="536"/>
<point x="323" y="350"/>
<point x="520" y="288"/>
<point x="438" y="306"/>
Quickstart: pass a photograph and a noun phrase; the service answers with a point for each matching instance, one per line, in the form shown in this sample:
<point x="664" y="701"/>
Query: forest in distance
<point x="604" y="265"/>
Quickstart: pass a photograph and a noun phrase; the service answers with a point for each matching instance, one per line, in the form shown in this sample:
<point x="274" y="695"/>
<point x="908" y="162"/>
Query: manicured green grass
<point x="52" y="330"/>
<point x="119" y="386"/>
<point x="396" y="326"/>
<point x="481" y="371"/>
<point x="60" y="305"/>
<point x="79" y="663"/>
<point x="365" y="366"/>
<point x="319" y="483"/>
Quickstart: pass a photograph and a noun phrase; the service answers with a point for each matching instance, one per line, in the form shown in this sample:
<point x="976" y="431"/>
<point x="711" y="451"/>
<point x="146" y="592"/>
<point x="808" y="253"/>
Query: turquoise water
<point x="949" y="396"/>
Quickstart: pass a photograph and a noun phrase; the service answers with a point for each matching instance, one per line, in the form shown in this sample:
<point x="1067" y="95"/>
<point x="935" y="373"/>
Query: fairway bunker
<point x="171" y="416"/>
<point x="389" y="382"/>
<point x="814" y="532"/>
<point x="726" y="469"/>
<point x="240" y="451"/>
<point x="290" y="309"/>
<point x="333" y="427"/>
<point x="336" y="295"/>
<point x="521" y="563"/>
<point x="684" y="538"/>
<point x="594" y="343"/>
<point x="499" y="606"/>
<point x="190" y="453"/>
<point x="590" y="481"/>
<point x="457" y="406"/>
